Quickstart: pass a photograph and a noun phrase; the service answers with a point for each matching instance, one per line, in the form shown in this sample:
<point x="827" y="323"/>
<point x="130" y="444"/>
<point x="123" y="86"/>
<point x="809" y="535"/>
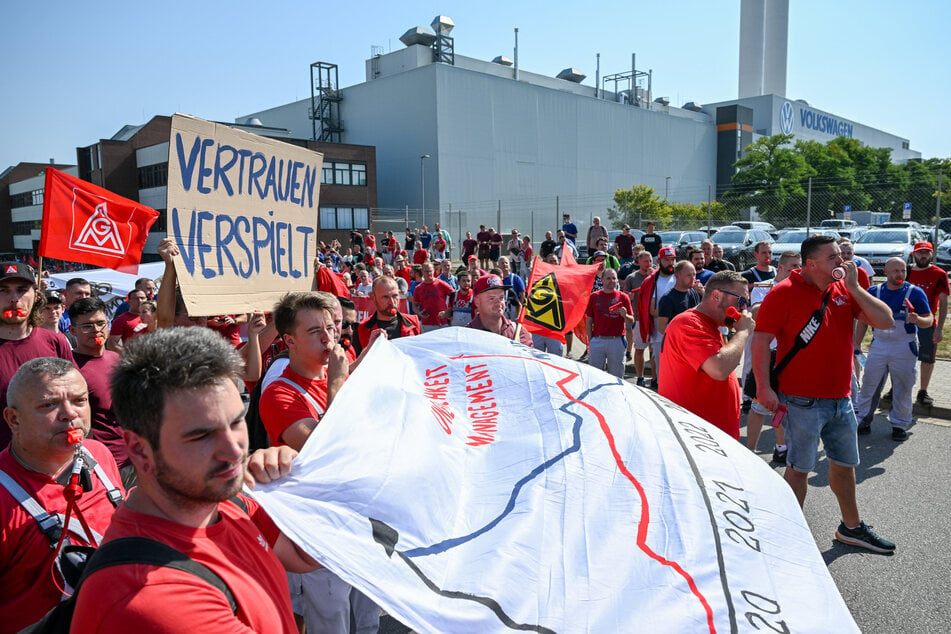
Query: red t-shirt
<point x="127" y="326"/>
<point x="15" y="352"/>
<point x="105" y="428"/>
<point x="231" y="332"/>
<point x="864" y="280"/>
<point x="823" y="369"/>
<point x="370" y="241"/>
<point x="144" y="598"/>
<point x="624" y="245"/>
<point x="691" y="339"/>
<point x="607" y="324"/>
<point x="282" y="404"/>
<point x="406" y="273"/>
<point x="432" y="296"/>
<point x="468" y="247"/>
<point x="27" y="591"/>
<point x="934" y="282"/>
<point x="420" y="256"/>
<point x="527" y="253"/>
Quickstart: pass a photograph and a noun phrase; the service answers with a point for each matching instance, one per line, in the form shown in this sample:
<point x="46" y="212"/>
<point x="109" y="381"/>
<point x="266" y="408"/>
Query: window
<point x="153" y="175"/>
<point x="344" y="218"/>
<point x="343" y="173"/>
<point x="26" y="199"/>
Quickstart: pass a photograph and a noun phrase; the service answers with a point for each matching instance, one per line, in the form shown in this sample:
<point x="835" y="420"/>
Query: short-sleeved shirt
<point x="282" y="404"/>
<point x="127" y="326"/>
<point x="141" y="597"/>
<point x="462" y="307"/>
<point x="468" y="247"/>
<point x="546" y="248"/>
<point x="933" y="281"/>
<point x="624" y="245"/>
<point x="495" y="244"/>
<point x="753" y="275"/>
<point x="652" y="243"/>
<point x="675" y="302"/>
<point x="432" y="297"/>
<point x="105" y="427"/>
<point x="15" y="352"/>
<point x="823" y="369"/>
<point x="604" y="322"/>
<point x="895" y="299"/>
<point x="571" y="230"/>
<point x="703" y="275"/>
<point x="27" y="591"/>
<point x="691" y="339"/>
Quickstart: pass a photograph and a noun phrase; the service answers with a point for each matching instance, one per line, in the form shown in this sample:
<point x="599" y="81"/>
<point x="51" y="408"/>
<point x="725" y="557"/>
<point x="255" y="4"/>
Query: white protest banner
<point x="469" y="484"/>
<point x="243" y="211"/>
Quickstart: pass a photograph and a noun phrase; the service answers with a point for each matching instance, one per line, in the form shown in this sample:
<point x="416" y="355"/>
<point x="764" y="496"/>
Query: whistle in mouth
<point x="733" y="313"/>
<point x="10" y="313"/>
<point x="99" y="340"/>
<point x="74" y="436"/>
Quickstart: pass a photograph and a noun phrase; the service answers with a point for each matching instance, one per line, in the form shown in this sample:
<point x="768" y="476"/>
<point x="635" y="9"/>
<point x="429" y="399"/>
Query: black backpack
<point x="257" y="432"/>
<point x="81" y="561"/>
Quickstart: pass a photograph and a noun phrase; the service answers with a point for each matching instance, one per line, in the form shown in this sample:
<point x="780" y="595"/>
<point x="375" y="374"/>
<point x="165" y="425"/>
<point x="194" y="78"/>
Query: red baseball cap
<point x="472" y="257"/>
<point x="488" y="282"/>
<point x="923" y="246"/>
<point x="667" y="252"/>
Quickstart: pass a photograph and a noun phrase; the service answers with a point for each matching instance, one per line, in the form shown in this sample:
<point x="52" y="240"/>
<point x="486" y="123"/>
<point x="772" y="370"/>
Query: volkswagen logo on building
<point x="786" y="118"/>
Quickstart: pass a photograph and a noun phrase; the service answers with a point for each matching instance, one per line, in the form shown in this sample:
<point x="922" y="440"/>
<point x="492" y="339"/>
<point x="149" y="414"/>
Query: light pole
<point x="422" y="184"/>
<point x="666" y="187"/>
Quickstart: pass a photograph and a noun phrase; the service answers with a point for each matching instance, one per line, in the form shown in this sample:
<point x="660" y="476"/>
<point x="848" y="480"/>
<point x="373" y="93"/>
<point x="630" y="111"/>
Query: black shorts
<point x="483" y="253"/>
<point x="926" y="345"/>
<point x="494" y="254"/>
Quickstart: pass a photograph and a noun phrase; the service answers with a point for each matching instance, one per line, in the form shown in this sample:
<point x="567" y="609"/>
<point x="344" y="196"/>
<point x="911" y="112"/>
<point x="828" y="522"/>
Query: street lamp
<point x="422" y="184"/>
<point x="666" y="187"/>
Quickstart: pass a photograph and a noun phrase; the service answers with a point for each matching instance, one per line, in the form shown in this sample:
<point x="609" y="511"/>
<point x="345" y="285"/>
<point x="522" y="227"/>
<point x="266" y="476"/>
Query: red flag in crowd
<point x="330" y="282"/>
<point x="557" y="297"/>
<point x="86" y="223"/>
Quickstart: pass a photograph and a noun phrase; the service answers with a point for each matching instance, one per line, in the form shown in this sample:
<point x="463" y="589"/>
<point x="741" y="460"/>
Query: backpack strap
<point x="310" y="399"/>
<point x="805" y="336"/>
<point x="142" y="550"/>
<point x="50" y="525"/>
<point x="112" y="491"/>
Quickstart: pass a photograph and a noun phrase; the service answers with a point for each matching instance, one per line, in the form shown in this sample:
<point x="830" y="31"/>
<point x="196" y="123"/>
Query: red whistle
<point x="615" y="306"/>
<point x="901" y="280"/>
<point x="74" y="436"/>
<point x="10" y="313"/>
<point x="99" y="340"/>
<point x="733" y="313"/>
<point x="911" y="308"/>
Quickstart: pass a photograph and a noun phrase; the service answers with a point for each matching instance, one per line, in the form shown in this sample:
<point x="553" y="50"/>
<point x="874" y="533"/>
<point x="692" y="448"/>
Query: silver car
<point x="792" y="241"/>
<point x="943" y="256"/>
<point x="878" y="245"/>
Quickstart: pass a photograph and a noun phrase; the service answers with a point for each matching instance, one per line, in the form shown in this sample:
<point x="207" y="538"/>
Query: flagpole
<point x="39" y="272"/>
<point x="521" y="312"/>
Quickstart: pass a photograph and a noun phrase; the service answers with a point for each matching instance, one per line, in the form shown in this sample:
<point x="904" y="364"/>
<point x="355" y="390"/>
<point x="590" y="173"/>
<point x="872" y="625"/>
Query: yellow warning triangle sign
<point x="544" y="305"/>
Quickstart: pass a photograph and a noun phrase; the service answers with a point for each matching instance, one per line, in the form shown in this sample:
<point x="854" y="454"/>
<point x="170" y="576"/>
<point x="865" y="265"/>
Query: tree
<point x="770" y="177"/>
<point x="636" y="205"/>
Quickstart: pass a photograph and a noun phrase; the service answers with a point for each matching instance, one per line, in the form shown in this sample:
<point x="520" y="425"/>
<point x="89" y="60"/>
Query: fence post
<point x="937" y="220"/>
<point x="809" y="208"/>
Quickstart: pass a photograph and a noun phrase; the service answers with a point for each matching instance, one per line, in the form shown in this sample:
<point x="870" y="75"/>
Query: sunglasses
<point x="347" y="324"/>
<point x="741" y="301"/>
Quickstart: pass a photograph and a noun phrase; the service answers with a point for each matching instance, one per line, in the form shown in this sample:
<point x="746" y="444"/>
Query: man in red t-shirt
<point x="430" y="299"/>
<point x="47" y="397"/>
<point x="483" y="238"/>
<point x="609" y="310"/>
<point x="20" y="338"/>
<point x="815" y="384"/>
<point x="129" y="324"/>
<point x="697" y="368"/>
<point x="469" y="246"/>
<point x="933" y="280"/>
<point x="175" y="394"/>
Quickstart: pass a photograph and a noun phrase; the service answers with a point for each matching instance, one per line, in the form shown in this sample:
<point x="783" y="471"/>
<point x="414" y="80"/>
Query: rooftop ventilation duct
<point x="443" y="24"/>
<point x="502" y="60"/>
<point x="572" y="75"/>
<point x="693" y="105"/>
<point x="418" y="35"/>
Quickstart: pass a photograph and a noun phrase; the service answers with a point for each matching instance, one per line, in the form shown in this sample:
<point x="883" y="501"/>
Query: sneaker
<point x="887" y="396"/>
<point x="640" y="381"/>
<point x="864" y="428"/>
<point x="780" y="456"/>
<point x="899" y="434"/>
<point x="864" y="537"/>
<point x="925" y="399"/>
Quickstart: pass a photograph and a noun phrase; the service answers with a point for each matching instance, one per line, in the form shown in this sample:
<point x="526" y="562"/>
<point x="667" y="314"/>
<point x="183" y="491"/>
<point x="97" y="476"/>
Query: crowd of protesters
<point x="154" y="391"/>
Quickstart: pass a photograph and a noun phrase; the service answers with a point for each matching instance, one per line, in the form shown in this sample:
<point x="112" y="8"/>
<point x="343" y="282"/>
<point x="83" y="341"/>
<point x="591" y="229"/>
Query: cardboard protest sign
<point x="243" y="211"/>
<point x="507" y="489"/>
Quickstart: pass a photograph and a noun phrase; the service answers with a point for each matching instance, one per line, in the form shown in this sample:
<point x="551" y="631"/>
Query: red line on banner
<point x="645" y="506"/>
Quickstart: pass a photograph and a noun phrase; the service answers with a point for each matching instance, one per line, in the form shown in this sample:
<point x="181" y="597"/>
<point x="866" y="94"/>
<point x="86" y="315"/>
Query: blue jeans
<point x="809" y="419"/>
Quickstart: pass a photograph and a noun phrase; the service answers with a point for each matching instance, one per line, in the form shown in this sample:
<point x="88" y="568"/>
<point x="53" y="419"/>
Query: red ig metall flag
<point x="86" y="223"/>
<point x="557" y="297"/>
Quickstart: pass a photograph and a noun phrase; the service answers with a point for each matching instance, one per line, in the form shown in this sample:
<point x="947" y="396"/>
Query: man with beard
<point x="175" y="394"/>
<point x="717" y="263"/>
<point x="934" y="282"/>
<point x="547" y="247"/>
<point x="651" y="290"/>
<point x="47" y="398"/>
<point x="20" y="338"/>
<point x="386" y="297"/>
<point x="632" y="286"/>
<point x="609" y="310"/>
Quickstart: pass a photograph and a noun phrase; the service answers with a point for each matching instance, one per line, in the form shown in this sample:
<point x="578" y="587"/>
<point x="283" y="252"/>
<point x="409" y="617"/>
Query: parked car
<point x="755" y="224"/>
<point x="682" y="240"/>
<point x="880" y="244"/>
<point x="792" y="240"/>
<point x="613" y="233"/>
<point x="943" y="256"/>
<point x="835" y="223"/>
<point x="738" y="245"/>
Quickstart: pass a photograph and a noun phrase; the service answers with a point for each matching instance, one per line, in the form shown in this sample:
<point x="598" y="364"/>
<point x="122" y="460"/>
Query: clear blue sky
<point x="77" y="72"/>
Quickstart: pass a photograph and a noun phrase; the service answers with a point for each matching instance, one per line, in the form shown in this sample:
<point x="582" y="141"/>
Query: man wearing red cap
<point x="652" y="289"/>
<point x="20" y="339"/>
<point x="489" y="302"/>
<point x="934" y="282"/>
